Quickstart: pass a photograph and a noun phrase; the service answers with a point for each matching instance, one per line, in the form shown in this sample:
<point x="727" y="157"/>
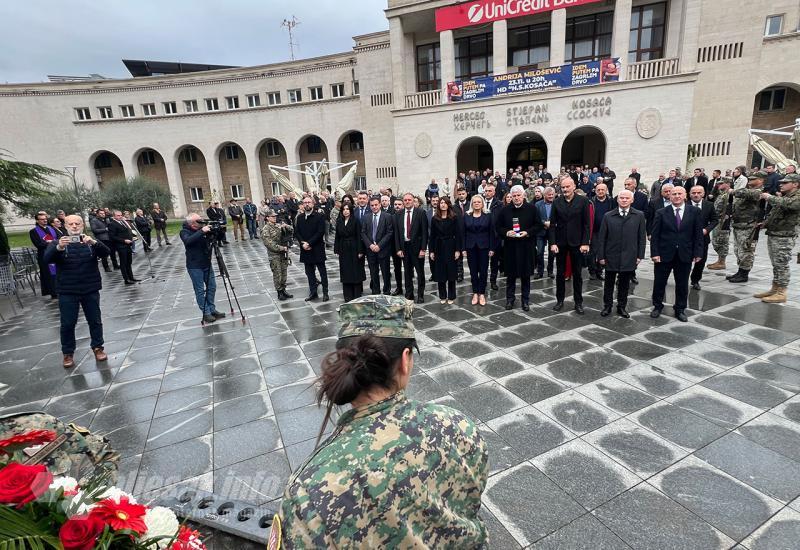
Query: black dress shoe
<point x="550" y="275"/>
<point x="559" y="306"/>
<point x="410" y="297"/>
<point x="130" y="282"/>
<point x="579" y="309"/>
<point x="325" y="297"/>
<point x="108" y="270"/>
<point x="525" y="306"/>
<point x="681" y="316"/>
<point x="622" y="312"/>
<point x="605" y="312"/>
<point x="420" y="300"/>
<point x="634" y="280"/>
<point x="696" y="286"/>
<point x="397" y="292"/>
<point x="494" y="286"/>
<point x="311" y="297"/>
<point x="509" y="306"/>
<point x="537" y="276"/>
<point x="136" y="280"/>
<point x="656" y="313"/>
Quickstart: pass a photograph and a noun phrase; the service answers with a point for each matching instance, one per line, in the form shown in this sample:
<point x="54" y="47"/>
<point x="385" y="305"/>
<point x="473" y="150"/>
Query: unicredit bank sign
<point x="485" y="11"/>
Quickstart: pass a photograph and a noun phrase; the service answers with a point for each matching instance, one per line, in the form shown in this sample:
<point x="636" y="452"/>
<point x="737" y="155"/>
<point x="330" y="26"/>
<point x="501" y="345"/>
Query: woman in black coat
<point x="348" y="246"/>
<point x="446" y="243"/>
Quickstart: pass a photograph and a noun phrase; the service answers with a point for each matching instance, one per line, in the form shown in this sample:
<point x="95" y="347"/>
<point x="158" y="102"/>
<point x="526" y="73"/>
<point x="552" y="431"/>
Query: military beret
<point x="790" y="178"/>
<point x="760" y="174"/>
<point x="378" y="315"/>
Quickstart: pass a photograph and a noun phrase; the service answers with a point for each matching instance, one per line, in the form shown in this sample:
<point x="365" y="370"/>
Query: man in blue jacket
<point x="198" y="264"/>
<point x="78" y="285"/>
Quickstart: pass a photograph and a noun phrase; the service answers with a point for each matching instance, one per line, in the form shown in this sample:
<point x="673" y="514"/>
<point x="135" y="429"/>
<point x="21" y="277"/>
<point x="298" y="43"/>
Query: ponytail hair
<point x="360" y="363"/>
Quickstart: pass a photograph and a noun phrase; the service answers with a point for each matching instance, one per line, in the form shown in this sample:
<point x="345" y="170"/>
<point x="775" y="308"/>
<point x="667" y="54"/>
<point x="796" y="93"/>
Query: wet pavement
<point x="603" y="432"/>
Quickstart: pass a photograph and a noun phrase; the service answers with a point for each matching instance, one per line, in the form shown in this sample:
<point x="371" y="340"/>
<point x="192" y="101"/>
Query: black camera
<point x="213" y="224"/>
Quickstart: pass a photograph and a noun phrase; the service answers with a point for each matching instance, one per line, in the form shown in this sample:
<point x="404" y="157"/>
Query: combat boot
<point x="719" y="264"/>
<point x="779" y="297"/>
<point x="740" y="277"/>
<point x="738" y="272"/>
<point x="769" y="292"/>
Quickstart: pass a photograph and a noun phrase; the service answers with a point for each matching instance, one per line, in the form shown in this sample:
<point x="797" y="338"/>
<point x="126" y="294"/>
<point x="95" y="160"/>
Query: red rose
<point x="20" y="484"/>
<point x="28" y="439"/>
<point x="80" y="532"/>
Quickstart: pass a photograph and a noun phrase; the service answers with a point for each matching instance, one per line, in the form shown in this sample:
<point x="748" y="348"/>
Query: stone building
<point x="694" y="76"/>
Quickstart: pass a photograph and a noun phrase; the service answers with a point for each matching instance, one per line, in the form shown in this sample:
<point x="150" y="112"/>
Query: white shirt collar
<point x="623" y="210"/>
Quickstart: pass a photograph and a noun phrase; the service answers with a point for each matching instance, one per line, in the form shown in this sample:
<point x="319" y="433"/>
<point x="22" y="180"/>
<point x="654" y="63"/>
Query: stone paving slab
<point x="602" y="432"/>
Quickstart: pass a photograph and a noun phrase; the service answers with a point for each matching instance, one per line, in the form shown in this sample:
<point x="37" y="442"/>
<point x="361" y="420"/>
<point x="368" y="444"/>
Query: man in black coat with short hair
<point x="121" y="234"/>
<point x="710" y="220"/>
<point x="569" y="236"/>
<point x="310" y="233"/>
<point x="377" y="234"/>
<point x="411" y="242"/>
<point x="78" y="284"/>
<point x="676" y="243"/>
<point x="620" y="246"/>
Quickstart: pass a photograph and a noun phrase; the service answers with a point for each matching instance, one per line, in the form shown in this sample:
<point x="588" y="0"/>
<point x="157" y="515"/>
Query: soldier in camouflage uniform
<point x="278" y="252"/>
<point x="781" y="227"/>
<point x="395" y="473"/>
<point x="722" y="233"/>
<point x="748" y="210"/>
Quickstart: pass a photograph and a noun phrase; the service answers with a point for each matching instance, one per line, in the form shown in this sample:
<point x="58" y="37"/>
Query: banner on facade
<point x="535" y="80"/>
<point x="486" y="11"/>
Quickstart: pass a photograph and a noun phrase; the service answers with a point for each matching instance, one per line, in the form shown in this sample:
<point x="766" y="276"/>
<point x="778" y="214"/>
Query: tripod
<point x="152" y="278"/>
<point x="213" y="249"/>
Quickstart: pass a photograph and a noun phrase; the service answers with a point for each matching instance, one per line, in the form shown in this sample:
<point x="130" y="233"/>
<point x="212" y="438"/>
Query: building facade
<point x="694" y="76"/>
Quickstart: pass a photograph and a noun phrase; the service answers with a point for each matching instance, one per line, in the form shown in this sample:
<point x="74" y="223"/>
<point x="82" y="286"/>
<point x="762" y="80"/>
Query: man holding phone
<point x="78" y="284"/>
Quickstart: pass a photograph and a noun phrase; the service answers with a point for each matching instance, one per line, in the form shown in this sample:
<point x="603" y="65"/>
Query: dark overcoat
<point x="621" y="241"/>
<point x="518" y="252"/>
<point x="347" y="245"/>
<point x="447" y="238"/>
<point x="311" y="229"/>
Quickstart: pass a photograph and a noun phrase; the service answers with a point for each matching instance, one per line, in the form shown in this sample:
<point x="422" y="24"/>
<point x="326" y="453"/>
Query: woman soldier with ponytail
<point x="395" y="473"/>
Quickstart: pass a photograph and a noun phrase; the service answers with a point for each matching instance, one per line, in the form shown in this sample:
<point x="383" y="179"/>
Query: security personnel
<point x="277" y="251"/>
<point x="395" y="473"/>
<point x="781" y="227"/>
<point x="722" y="233"/>
<point x="748" y="209"/>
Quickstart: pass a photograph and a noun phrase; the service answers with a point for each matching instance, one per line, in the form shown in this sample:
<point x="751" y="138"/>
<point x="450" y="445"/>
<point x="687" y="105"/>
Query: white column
<point x="554" y="144"/>
<point x="397" y="41"/>
<point x="558" y="36"/>
<point x="621" y="32"/>
<point x="690" y="38"/>
<point x="447" y="53"/>
<point x="175" y="183"/>
<point x="334" y="156"/>
<point x="292" y="157"/>
<point x="254" y="176"/>
<point x="214" y="175"/>
<point x="500" y="46"/>
<point x="129" y="166"/>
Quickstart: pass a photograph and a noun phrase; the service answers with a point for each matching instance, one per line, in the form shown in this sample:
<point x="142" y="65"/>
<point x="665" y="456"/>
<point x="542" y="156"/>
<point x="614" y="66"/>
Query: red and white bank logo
<point x="485" y="11"/>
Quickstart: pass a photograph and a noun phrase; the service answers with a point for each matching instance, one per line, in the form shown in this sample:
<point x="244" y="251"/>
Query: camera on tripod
<point x="213" y="224"/>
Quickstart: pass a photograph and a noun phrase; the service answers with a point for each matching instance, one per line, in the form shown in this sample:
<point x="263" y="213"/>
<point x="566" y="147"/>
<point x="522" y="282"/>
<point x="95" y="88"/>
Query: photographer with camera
<point x="196" y="235"/>
<point x="78" y="284"/>
<point x="277" y="238"/>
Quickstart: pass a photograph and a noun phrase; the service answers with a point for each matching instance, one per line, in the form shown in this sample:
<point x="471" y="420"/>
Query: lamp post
<point x="71" y="171"/>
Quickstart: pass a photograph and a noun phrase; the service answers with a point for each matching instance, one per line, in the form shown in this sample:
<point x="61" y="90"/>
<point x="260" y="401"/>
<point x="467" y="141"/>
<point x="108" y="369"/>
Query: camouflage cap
<point x="726" y="179"/>
<point x="790" y="178"/>
<point x="379" y="315"/>
<point x="760" y="174"/>
<point x="269" y="212"/>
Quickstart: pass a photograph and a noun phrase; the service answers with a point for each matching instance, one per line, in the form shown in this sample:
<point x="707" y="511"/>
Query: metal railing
<point x="423" y="99"/>
<point x="653" y="69"/>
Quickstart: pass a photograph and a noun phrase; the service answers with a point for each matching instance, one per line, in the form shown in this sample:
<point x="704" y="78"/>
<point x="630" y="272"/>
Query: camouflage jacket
<point x="746" y="208"/>
<point x="783" y="219"/>
<point x="394" y="474"/>
<point x="271" y="236"/>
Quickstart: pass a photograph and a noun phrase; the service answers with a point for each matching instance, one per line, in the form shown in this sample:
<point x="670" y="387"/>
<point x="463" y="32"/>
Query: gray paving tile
<point x="159" y="467"/>
<point x="616" y="395"/>
<point x="257" y="480"/>
<point x="241" y="410"/>
<point x="749" y="390"/>
<point x="531" y="386"/>
<point x="781" y="531"/>
<point x="585" y="533"/>
<point x="488" y="401"/>
<point x="529" y="431"/>
<point x="245" y="441"/>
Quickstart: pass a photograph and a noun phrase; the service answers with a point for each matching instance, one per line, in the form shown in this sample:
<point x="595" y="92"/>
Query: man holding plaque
<point x="517" y="225"/>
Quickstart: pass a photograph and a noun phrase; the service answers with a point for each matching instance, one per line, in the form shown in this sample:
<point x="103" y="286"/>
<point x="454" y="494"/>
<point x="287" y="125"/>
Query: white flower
<point x="161" y="522"/>
<point x="69" y="484"/>
<point x="83" y="507"/>
<point x="115" y="494"/>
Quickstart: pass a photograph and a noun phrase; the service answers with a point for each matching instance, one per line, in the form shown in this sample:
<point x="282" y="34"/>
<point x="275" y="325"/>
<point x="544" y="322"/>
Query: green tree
<point x="20" y="184"/>
<point x="62" y="198"/>
<point x="133" y="193"/>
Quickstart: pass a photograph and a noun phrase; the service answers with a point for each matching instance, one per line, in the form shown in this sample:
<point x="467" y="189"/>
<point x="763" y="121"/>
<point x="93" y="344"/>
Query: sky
<point x="79" y="37"/>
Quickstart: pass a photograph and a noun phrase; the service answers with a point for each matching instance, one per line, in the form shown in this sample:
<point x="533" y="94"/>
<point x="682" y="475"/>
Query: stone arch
<point x="233" y="172"/>
<point x="351" y="147"/>
<point x="150" y="164"/>
<point x="194" y="177"/>
<point x="105" y="166"/>
<point x="774" y="106"/>
<point x="270" y="151"/>
<point x="584" y="145"/>
<point x="474" y="153"/>
<point x="311" y="147"/>
<point x="526" y="149"/>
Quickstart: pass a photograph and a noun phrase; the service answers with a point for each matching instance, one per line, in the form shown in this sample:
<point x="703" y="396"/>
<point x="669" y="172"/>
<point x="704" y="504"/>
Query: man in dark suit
<point x="310" y="233"/>
<point x="569" y="236"/>
<point x="397" y="261"/>
<point x="460" y="207"/>
<point x="675" y="243"/>
<point x="698" y="178"/>
<point x="620" y="246"/>
<point x="377" y="232"/>
<point x="640" y="199"/>
<point x="656" y="204"/>
<point x="214" y="212"/>
<point x="710" y="220"/>
<point x="361" y="209"/>
<point x="411" y="242"/>
<point x="121" y="234"/>
<point x="493" y="207"/>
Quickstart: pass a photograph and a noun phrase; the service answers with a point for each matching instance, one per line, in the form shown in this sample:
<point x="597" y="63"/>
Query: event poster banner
<point x="486" y="11"/>
<point x="551" y="78"/>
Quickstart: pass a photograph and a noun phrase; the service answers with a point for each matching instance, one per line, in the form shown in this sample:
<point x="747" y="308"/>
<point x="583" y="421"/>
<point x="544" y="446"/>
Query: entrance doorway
<point x="584" y="145"/>
<point x="526" y="149"/>
<point x="474" y="154"/>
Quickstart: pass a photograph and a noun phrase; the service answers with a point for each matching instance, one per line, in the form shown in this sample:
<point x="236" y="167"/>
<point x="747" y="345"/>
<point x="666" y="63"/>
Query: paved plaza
<point x="602" y="432"/>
